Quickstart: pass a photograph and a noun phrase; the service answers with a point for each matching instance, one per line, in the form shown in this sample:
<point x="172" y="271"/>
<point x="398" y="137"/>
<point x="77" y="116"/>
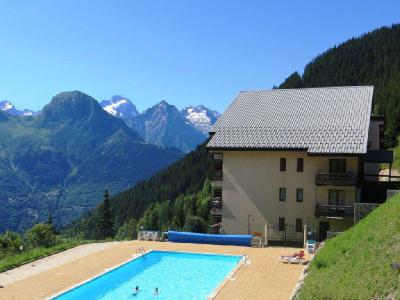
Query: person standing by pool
<point x="136" y="291"/>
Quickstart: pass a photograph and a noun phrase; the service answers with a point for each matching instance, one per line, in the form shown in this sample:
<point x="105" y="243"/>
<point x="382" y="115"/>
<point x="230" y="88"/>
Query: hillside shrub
<point x="41" y="235"/>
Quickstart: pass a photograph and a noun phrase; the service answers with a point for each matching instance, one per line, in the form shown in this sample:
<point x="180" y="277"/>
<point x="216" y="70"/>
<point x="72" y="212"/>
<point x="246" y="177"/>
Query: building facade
<point x="288" y="158"/>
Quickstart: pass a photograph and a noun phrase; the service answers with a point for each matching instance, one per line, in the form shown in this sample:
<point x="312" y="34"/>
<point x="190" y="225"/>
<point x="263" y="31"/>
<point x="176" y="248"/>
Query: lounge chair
<point x="294" y="258"/>
<point x="297" y="260"/>
<point x="148" y="236"/>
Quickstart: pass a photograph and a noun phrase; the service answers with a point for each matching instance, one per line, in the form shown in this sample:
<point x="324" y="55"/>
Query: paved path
<point x="51" y="262"/>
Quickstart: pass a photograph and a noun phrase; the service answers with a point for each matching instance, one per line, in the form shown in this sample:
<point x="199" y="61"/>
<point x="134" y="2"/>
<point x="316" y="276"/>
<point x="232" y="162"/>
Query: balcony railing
<point x="340" y="211"/>
<point x="342" y="179"/>
<point x="216" y="205"/>
<point x="216" y="175"/>
<point x="216" y="221"/>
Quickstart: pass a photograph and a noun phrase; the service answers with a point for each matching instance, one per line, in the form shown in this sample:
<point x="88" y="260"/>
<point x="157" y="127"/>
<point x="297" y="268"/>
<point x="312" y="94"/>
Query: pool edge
<point x="106" y="270"/>
<point x="212" y="295"/>
<point x="227" y="278"/>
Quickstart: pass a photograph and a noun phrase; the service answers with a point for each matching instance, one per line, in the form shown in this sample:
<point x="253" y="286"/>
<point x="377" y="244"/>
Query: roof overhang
<point x="242" y="149"/>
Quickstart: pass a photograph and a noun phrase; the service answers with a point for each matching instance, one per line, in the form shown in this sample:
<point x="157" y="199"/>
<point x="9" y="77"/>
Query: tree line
<point x="138" y="206"/>
<point x="40" y="235"/>
<point x="372" y="59"/>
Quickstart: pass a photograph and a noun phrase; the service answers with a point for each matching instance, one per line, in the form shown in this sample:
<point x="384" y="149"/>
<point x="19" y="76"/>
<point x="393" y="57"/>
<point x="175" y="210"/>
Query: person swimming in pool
<point x="136" y="291"/>
<point x="156" y="292"/>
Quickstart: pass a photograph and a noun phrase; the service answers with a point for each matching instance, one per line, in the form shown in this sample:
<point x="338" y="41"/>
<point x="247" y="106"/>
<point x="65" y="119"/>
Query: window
<point x="281" y="224"/>
<point x="283" y="164"/>
<point x="337" y="165"/>
<point x="299" y="225"/>
<point x="336" y="197"/>
<point x="282" y="194"/>
<point x="299" y="195"/>
<point x="300" y="165"/>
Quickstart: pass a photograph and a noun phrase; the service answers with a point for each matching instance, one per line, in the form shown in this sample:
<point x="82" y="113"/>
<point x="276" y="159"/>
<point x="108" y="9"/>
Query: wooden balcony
<point x="337" y="211"/>
<point x="338" y="179"/>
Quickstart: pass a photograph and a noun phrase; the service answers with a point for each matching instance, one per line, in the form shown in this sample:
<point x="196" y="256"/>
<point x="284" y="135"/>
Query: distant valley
<point x="61" y="159"/>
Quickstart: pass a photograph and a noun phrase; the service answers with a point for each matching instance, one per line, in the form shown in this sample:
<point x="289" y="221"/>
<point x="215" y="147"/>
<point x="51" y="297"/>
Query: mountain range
<point x="8" y="107"/>
<point x="162" y="124"/>
<point x="62" y="160"/>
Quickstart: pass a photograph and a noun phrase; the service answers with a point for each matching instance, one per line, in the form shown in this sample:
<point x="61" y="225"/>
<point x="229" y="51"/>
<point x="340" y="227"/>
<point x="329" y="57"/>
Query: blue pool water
<point x="178" y="275"/>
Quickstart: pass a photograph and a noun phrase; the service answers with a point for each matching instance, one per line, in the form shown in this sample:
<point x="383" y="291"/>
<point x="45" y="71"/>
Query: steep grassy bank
<point x="357" y="264"/>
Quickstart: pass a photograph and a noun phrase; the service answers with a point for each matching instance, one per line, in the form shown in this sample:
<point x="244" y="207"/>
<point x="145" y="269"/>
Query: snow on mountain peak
<point x="8" y="107"/>
<point x="200" y="117"/>
<point x="120" y="106"/>
<point x="27" y="112"/>
<point x="112" y="108"/>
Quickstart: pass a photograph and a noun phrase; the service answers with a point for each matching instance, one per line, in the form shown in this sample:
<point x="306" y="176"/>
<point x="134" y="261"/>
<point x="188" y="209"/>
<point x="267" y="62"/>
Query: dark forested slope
<point x="185" y="177"/>
<point x="372" y="59"/>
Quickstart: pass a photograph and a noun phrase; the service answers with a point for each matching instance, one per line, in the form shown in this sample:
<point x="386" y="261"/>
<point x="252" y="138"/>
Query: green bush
<point x="128" y="231"/>
<point x="10" y="242"/>
<point x="41" y="235"/>
<point x="195" y="224"/>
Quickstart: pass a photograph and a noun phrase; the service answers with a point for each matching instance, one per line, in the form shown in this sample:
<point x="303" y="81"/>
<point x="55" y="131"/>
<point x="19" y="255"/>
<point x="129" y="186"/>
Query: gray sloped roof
<point x="332" y="120"/>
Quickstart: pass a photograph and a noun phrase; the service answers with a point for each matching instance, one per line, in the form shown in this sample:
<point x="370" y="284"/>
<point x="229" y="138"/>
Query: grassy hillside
<point x="357" y="264"/>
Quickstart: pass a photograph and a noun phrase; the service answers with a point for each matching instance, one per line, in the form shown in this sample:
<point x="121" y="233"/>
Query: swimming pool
<point x="178" y="275"/>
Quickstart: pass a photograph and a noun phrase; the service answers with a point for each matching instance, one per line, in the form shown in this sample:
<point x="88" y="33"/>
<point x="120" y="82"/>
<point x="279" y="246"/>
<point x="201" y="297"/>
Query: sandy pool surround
<point x="265" y="278"/>
<point x="212" y="295"/>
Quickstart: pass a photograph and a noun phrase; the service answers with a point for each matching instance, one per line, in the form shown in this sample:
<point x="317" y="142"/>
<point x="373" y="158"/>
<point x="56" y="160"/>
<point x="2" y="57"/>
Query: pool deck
<point x="263" y="277"/>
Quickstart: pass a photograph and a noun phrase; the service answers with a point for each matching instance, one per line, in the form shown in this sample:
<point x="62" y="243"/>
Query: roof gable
<point x="321" y="120"/>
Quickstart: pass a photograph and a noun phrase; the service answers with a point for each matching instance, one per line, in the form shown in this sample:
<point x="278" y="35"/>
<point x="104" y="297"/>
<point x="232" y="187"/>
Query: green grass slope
<point x="357" y="264"/>
<point x="396" y="154"/>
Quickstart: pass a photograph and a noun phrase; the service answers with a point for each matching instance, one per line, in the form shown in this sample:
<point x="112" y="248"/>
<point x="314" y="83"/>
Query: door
<point x="323" y="229"/>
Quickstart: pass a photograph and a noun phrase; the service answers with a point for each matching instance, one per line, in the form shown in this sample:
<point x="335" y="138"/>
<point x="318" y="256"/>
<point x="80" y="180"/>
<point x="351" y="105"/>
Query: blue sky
<point x="186" y="52"/>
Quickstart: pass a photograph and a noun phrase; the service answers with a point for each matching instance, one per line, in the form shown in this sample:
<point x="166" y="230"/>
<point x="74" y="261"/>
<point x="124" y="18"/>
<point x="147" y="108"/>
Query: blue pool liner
<point x="215" y="239"/>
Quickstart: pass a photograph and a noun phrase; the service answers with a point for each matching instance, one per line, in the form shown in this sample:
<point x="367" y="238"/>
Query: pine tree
<point x="105" y="218"/>
<point x="50" y="221"/>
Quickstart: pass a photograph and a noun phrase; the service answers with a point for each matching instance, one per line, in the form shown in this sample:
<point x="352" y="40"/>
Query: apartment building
<point x="288" y="158"/>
